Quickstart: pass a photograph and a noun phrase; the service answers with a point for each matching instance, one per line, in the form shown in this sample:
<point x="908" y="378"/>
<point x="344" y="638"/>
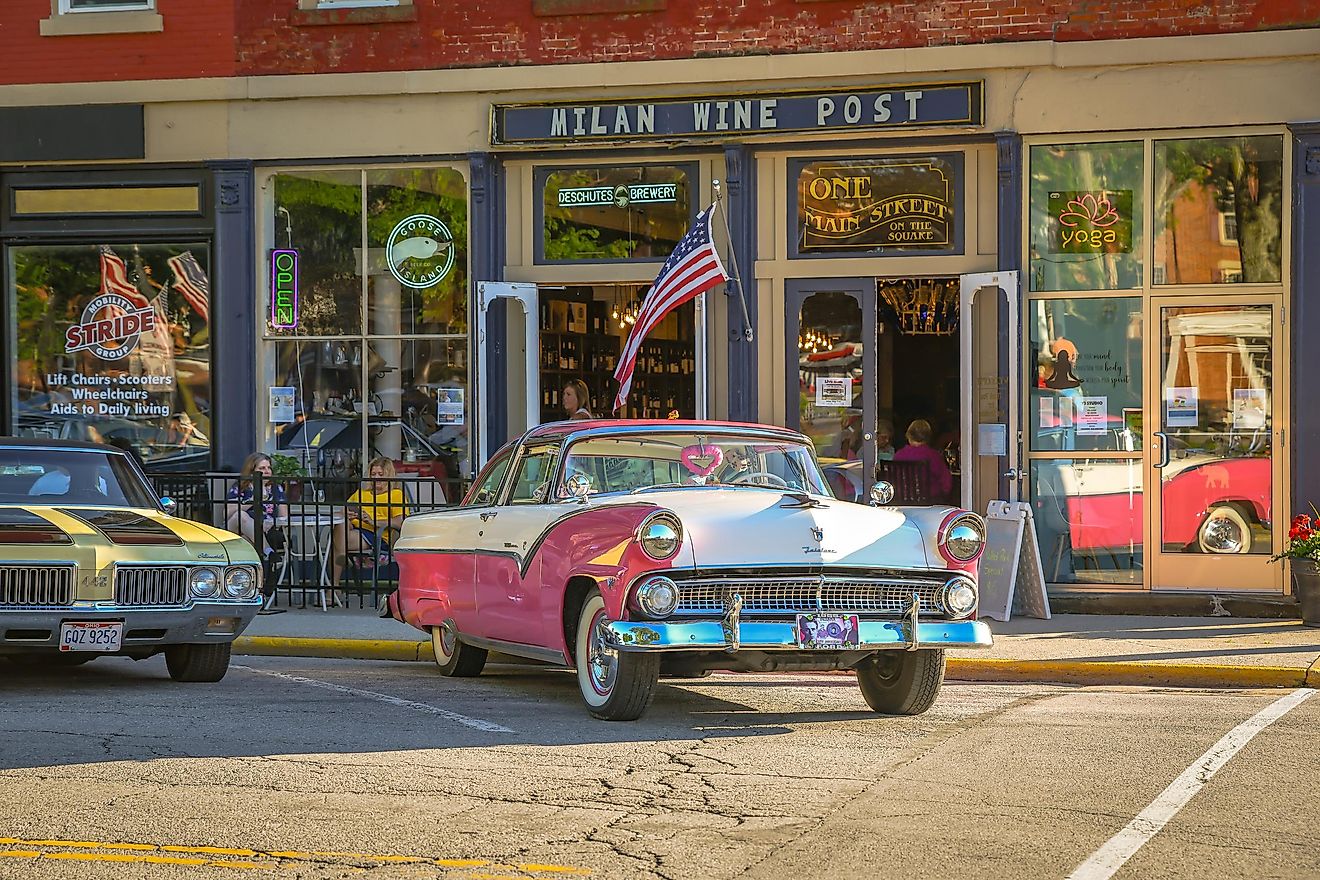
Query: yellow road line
<point x="292" y="855"/>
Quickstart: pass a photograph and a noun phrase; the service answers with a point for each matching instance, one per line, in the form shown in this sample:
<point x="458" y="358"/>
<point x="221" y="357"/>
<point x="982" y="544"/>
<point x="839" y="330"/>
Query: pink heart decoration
<point x="702" y="460"/>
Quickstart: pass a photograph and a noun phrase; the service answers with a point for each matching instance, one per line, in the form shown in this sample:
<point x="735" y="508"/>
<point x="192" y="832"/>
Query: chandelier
<point x="924" y="306"/>
<point x="811" y="341"/>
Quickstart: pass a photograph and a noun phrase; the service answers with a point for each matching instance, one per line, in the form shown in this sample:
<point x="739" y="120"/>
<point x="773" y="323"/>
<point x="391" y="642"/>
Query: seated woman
<point x="242" y="508"/>
<point x="940" y="480"/>
<point x="376" y="513"/>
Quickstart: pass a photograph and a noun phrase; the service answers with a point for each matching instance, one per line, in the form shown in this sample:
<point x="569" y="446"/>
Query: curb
<point x="1086" y="672"/>
<point x="335" y="649"/>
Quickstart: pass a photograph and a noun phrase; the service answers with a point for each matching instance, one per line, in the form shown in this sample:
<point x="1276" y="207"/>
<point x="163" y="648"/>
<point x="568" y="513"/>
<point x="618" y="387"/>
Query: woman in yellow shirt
<point x="375" y="515"/>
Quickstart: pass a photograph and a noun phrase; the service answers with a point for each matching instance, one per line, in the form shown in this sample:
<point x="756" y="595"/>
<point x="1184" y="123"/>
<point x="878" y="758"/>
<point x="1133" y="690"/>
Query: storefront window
<point x="390" y="380"/>
<point x="113" y="344"/>
<point x="1086" y="388"/>
<point x="1090" y="519"/>
<point x="319" y="215"/>
<point x="1219" y="210"/>
<point x="606" y="214"/>
<point x="417" y="236"/>
<point x="1086" y="216"/>
<point x="901" y="203"/>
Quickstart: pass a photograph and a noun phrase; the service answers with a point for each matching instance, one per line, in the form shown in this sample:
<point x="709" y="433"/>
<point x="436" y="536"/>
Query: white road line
<point x="477" y="723"/>
<point x="1106" y="861"/>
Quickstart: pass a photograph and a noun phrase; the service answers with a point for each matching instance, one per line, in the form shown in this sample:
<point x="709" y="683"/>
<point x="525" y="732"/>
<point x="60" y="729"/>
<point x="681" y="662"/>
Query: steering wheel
<point x="773" y="479"/>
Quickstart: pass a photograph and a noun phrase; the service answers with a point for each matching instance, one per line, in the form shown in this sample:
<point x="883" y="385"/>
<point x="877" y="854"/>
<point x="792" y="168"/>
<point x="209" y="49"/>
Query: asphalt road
<point x="294" y="768"/>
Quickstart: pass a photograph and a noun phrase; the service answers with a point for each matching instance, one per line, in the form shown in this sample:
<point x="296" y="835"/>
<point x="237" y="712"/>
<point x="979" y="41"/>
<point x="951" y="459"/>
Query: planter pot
<point x="1306" y="581"/>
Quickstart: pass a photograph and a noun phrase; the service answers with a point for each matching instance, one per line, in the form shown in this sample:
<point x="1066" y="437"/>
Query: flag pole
<point x="733" y="262"/>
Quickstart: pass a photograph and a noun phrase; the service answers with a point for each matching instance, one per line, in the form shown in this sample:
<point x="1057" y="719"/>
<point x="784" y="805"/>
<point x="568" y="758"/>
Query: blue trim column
<point x="1008" y="150"/>
<point x="234" y="317"/>
<point x="486" y="249"/>
<point x="1304" y="433"/>
<point x="740" y="205"/>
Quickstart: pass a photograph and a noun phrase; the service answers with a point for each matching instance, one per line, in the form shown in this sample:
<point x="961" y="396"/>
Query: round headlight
<point x="658" y="596"/>
<point x="959" y="597"/>
<point x="205" y="582"/>
<point x="882" y="493"/>
<point x="660" y="534"/>
<point x="965" y="538"/>
<point x="240" y="583"/>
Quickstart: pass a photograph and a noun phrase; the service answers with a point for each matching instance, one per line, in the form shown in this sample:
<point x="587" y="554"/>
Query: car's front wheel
<point x="616" y="685"/>
<point x="901" y="682"/>
<point x="452" y="656"/>
<point x="198" y="662"/>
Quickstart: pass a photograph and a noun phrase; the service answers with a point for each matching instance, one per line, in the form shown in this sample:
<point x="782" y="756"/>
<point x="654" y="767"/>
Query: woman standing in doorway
<point x="577" y="400"/>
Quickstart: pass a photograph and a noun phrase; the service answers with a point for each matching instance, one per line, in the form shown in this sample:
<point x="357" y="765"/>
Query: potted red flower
<point x="1303" y="549"/>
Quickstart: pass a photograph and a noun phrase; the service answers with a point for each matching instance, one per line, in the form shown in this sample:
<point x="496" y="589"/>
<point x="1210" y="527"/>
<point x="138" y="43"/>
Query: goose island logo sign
<point x="420" y="251"/>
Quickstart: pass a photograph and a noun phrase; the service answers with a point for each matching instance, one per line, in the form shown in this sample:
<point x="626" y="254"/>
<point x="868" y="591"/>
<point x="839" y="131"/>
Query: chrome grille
<point x="31" y="586"/>
<point x="789" y="595"/>
<point x="151" y="585"/>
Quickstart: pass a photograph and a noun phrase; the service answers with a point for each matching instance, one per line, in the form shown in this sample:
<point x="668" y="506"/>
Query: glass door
<point x="831" y="381"/>
<point x="513" y="307"/>
<point x="1215" y="448"/>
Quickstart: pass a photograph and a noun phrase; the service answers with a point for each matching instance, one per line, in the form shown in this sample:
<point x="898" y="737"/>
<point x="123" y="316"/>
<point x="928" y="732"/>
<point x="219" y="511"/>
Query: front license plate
<point x="91" y="636"/>
<point x="828" y="630"/>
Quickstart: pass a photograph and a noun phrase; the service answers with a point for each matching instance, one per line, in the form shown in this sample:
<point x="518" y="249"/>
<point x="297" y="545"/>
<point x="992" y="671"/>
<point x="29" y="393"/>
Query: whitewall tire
<point x="616" y="685"/>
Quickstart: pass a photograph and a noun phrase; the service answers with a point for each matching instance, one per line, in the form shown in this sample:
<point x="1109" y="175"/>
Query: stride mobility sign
<point x="723" y="116"/>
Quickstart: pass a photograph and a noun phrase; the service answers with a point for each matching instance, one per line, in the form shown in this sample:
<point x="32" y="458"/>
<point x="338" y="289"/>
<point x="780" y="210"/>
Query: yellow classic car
<point x="93" y="564"/>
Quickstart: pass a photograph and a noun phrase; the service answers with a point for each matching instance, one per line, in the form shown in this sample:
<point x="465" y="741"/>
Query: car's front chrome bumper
<point x="782" y="635"/>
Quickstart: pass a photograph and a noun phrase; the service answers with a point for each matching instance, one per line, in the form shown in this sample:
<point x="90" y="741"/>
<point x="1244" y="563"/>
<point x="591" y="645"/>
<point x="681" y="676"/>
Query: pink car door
<point x="508" y="587"/>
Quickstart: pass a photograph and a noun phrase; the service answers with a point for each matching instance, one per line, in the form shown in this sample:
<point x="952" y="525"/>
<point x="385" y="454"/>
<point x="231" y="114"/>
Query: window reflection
<point x="319" y="214"/>
<point x="830" y="374"/>
<point x="1219" y="210"/>
<point x="1086" y="391"/>
<point x="1086" y="210"/>
<point x="1089" y="519"/>
<point x="113" y="344"/>
<point x="620" y="213"/>
<point x="417" y="236"/>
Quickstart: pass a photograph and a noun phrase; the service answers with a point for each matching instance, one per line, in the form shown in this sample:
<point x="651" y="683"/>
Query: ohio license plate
<point x="828" y="630"/>
<point x="91" y="636"/>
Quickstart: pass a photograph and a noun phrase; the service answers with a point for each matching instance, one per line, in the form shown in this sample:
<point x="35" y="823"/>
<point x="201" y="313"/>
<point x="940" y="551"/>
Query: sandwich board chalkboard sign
<point x="1010" y="576"/>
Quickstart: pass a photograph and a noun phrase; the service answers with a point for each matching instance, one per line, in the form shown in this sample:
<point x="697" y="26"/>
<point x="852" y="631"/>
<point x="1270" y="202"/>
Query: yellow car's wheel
<point x="198" y="662"/>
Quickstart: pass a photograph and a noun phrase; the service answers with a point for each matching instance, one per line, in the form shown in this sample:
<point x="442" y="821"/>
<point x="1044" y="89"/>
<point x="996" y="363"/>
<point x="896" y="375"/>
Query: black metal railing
<point x="323" y="540"/>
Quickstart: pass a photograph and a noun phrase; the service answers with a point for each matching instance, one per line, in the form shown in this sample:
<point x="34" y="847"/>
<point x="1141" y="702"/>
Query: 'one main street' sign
<point x="724" y="116"/>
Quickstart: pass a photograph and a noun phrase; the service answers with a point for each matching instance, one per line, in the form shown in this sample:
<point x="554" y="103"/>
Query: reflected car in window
<point x="631" y="550"/>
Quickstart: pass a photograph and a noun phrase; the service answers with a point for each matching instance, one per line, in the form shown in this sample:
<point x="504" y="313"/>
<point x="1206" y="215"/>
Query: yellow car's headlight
<point x="240" y="582"/>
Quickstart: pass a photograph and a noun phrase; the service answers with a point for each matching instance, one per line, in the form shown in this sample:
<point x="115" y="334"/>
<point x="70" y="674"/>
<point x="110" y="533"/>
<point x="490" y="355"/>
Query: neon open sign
<point x="284" y="288"/>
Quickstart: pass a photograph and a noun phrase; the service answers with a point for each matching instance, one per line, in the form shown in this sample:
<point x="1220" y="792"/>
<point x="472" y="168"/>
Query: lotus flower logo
<point x="1096" y="210"/>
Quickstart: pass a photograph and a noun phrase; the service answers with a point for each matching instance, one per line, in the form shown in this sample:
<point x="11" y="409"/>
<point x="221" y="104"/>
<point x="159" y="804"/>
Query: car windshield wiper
<point x="656" y="486"/>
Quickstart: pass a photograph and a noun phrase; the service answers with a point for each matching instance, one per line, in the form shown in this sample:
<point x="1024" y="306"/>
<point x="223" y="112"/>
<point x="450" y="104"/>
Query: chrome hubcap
<point x="1223" y="536"/>
<point x="602" y="660"/>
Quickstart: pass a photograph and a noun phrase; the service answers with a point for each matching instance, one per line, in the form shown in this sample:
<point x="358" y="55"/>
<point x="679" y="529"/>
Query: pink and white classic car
<point x="635" y="549"/>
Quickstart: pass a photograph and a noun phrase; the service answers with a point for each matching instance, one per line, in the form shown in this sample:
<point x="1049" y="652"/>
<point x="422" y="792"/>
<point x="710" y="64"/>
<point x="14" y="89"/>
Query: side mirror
<point x="881" y="493"/>
<point x="579" y="486"/>
<point x="169" y="506"/>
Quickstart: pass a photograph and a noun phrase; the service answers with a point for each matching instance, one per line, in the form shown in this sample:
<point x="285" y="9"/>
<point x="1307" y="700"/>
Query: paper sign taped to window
<point x="281" y="404"/>
<point x="1092" y="415"/>
<point x="834" y="391"/>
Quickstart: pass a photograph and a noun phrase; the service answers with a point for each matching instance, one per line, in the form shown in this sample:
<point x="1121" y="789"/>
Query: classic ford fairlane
<point x="92" y="565"/>
<point x="632" y="550"/>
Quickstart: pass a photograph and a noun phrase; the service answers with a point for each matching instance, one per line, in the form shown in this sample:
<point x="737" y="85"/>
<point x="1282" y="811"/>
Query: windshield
<point x="70" y="477"/>
<point x="636" y="463"/>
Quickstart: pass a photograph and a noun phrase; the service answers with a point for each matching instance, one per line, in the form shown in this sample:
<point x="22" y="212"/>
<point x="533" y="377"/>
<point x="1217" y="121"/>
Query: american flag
<point x="191" y="281"/>
<point x="114" y="279"/>
<point x="693" y="268"/>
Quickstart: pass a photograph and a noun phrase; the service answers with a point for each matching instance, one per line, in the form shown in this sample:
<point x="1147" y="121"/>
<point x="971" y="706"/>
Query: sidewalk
<point x="1075" y="648"/>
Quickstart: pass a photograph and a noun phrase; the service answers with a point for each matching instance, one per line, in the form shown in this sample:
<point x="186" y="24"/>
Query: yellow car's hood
<point x="96" y="538"/>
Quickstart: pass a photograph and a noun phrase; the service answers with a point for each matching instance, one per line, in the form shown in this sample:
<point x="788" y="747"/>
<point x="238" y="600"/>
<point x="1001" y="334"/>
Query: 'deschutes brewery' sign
<point x="900" y="202"/>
